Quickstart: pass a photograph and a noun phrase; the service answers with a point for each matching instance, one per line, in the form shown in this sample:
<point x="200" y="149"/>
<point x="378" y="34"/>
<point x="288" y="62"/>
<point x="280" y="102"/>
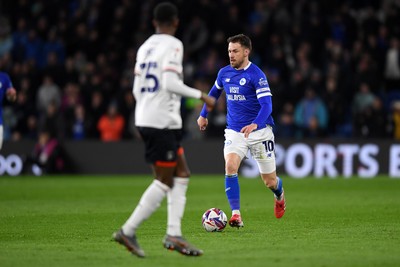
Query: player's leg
<point x="177" y="195"/>
<point x="232" y="188"/>
<point x="234" y="151"/>
<point x="273" y="182"/>
<point x="161" y="152"/>
<point x="262" y="149"/>
<point x="176" y="199"/>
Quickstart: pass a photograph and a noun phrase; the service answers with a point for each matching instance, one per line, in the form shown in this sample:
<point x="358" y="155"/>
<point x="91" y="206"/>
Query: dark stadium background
<point x="342" y="57"/>
<point x="340" y="178"/>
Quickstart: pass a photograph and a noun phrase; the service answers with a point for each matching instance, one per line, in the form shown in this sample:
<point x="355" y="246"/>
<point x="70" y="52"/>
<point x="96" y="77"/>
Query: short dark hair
<point x="165" y="12"/>
<point x="242" y="39"/>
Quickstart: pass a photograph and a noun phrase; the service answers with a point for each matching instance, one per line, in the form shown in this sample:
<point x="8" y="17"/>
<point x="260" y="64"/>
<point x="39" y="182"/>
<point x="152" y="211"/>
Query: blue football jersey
<point x="246" y="90"/>
<point x="5" y="84"/>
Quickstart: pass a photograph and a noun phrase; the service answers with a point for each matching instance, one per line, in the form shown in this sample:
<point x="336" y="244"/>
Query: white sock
<point x="176" y="205"/>
<point x="235" y="212"/>
<point x="149" y="202"/>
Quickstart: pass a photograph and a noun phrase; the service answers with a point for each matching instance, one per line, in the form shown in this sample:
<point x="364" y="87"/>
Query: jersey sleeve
<point x="263" y="93"/>
<point x="218" y="82"/>
<point x="173" y="59"/>
<point x="137" y="69"/>
<point x="261" y="85"/>
<point x="7" y="82"/>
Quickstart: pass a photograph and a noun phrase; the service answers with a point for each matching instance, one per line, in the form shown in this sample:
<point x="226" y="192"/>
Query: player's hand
<point x="11" y="94"/>
<point x="209" y="101"/>
<point x="248" y="129"/>
<point x="202" y="122"/>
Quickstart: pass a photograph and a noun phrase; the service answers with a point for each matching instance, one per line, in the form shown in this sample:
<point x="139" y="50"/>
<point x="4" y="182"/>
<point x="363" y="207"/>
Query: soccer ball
<point x="214" y="220"/>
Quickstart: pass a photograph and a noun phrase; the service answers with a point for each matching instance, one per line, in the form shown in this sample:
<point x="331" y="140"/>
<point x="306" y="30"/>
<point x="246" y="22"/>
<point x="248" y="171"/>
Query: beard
<point x="236" y="64"/>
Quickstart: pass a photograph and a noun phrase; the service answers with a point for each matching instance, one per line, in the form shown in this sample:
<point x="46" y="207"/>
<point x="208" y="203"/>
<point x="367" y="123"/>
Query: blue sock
<point x="279" y="187"/>
<point x="232" y="191"/>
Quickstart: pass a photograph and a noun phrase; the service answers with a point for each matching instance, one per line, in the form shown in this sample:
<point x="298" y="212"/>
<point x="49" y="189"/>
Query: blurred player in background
<point x="6" y="89"/>
<point x="249" y="124"/>
<point x="158" y="88"/>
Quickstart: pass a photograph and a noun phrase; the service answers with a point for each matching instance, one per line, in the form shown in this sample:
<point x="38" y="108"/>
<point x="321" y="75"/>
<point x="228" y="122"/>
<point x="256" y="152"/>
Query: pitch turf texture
<point x="68" y="221"/>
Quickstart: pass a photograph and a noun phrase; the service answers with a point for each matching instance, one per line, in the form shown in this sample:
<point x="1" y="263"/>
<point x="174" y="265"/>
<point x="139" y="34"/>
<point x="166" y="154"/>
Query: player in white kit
<point x="158" y="89"/>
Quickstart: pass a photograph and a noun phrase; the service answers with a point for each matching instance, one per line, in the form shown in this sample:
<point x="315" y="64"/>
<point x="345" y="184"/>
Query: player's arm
<point x="215" y="93"/>
<point x="172" y="83"/>
<point x="11" y="93"/>
<point x="264" y="97"/>
<point x="202" y="121"/>
<point x="265" y="111"/>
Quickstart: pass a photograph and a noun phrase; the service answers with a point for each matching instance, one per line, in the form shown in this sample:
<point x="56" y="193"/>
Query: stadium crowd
<point x="333" y="66"/>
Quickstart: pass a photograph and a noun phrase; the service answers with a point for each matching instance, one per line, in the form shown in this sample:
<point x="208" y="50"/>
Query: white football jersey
<point x="157" y="107"/>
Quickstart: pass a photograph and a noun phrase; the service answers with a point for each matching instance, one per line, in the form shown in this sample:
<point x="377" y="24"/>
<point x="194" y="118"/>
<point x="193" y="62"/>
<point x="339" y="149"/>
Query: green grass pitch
<point x="68" y="221"/>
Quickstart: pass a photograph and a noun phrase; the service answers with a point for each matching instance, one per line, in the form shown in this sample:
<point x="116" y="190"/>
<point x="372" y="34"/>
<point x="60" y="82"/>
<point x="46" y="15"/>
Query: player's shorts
<point x="260" y="143"/>
<point x="161" y="145"/>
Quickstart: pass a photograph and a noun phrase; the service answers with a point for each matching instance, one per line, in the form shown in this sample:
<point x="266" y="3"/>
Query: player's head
<point x="165" y="18"/>
<point x="239" y="48"/>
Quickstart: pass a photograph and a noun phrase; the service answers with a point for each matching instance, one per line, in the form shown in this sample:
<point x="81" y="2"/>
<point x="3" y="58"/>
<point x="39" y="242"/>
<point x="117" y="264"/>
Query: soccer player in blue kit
<point x="6" y="89"/>
<point x="249" y="124"/>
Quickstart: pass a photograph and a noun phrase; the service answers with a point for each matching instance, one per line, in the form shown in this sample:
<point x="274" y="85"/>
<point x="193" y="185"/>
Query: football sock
<point x="232" y="191"/>
<point x="176" y="205"/>
<point x="279" y="188"/>
<point x="148" y="203"/>
<point x="235" y="212"/>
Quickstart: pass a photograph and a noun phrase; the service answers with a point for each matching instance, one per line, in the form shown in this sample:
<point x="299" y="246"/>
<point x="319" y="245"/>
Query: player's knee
<point x="231" y="167"/>
<point x="232" y="163"/>
<point x="270" y="181"/>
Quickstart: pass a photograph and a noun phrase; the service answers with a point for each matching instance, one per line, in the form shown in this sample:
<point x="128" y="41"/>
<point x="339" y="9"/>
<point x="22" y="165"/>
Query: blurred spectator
<point x="27" y="129"/>
<point x="279" y="90"/>
<point x="55" y="46"/>
<point x="363" y="99"/>
<point x="126" y="106"/>
<point x="311" y="117"/>
<point x="366" y="109"/>
<point x="70" y="73"/>
<point x="48" y="92"/>
<point x="70" y="99"/>
<point x="53" y="68"/>
<point x="396" y="120"/>
<point x="111" y="124"/>
<point x="285" y="126"/>
<point x="22" y="110"/>
<point x="334" y="101"/>
<point x="6" y="40"/>
<point x="47" y="156"/>
<point x="195" y="37"/>
<point x="392" y="67"/>
<point x="33" y="50"/>
<point x="20" y="37"/>
<point x="52" y="121"/>
<point x="96" y="109"/>
<point x="371" y="122"/>
<point x="77" y="128"/>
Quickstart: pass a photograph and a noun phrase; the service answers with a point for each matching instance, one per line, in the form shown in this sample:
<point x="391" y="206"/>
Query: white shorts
<point x="260" y="143"/>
